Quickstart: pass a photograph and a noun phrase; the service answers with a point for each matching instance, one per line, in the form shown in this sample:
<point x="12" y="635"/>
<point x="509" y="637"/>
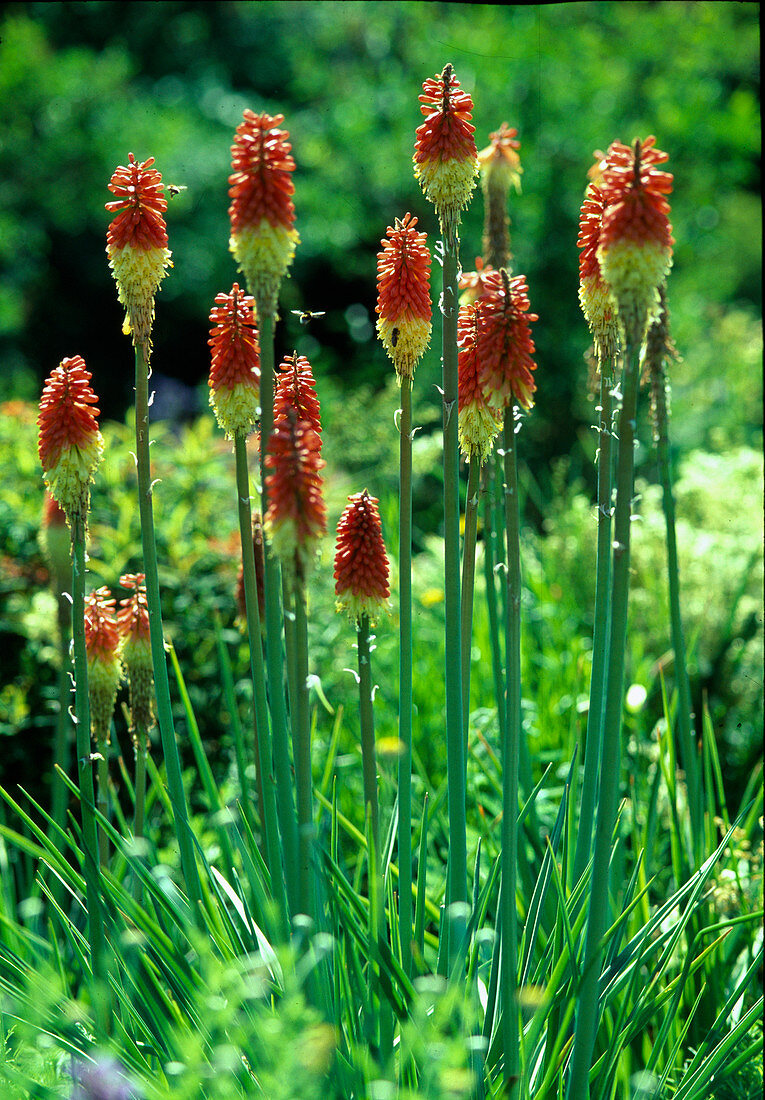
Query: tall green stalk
<point x="457" y="877"/>
<point x="510" y="757"/>
<point x="468" y="587"/>
<point x="90" y="848"/>
<point x="601" y="632"/>
<point x="159" y="661"/>
<point x="301" y="742"/>
<point x="587" y="1008"/>
<point x="280" y="728"/>
<point x="688" y="750"/>
<point x="490" y="563"/>
<point x="405" y="677"/>
<point x="263" y="748"/>
<point x="62" y="747"/>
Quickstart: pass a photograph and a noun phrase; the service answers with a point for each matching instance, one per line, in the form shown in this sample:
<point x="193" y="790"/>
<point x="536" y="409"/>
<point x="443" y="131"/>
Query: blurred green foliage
<point x="81" y="84"/>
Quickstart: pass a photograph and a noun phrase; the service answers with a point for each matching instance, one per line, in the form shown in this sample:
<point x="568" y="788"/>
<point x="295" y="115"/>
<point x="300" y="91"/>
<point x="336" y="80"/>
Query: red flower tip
<point x="361" y="563"/>
<point x="102" y="644"/>
<point x="136" y="244"/>
<point x="295" y="390"/>
<point x="235" y="361"/>
<point x="635" y="248"/>
<point x="262" y="213"/>
<point x="70" y="445"/>
<point x="139" y="206"/>
<point x="133" y="616"/>
<point x="503" y="342"/>
<point x="445" y="157"/>
<point x="296" y="517"/>
<point x="403" y="295"/>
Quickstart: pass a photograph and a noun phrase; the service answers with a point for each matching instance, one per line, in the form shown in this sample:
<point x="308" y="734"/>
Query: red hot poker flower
<point x="445" y="156"/>
<point x="136" y="243"/>
<point x="263" y="237"/>
<point x="500" y="168"/>
<point x="70" y="445"/>
<point x="635" y="250"/>
<point x="478" y="422"/>
<point x="297" y="517"/>
<point x="403" y="295"/>
<point x="361" y="564"/>
<point x="133" y="625"/>
<point x="473" y="283"/>
<point x="102" y="644"/>
<point x="504" y="343"/>
<point x="235" y="368"/>
<point x="594" y="295"/>
<point x="296" y="389"/>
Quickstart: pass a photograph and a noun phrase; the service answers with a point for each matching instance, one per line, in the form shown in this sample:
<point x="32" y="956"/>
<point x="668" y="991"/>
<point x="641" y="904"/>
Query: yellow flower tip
<point x="477" y="429"/>
<point x="138" y="273"/>
<point x="634" y="271"/>
<point x="499" y="163"/>
<point x="449" y="186"/>
<point x="69" y="478"/>
<point x="405" y="342"/>
<point x="236" y="409"/>
<point x="263" y="253"/>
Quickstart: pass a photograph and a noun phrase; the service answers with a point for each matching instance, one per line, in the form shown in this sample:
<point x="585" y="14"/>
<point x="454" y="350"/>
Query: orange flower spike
<point x="635" y="248"/>
<point x="235" y="362"/>
<point x="296" y="389"/>
<point x="136" y="244"/>
<point x="70" y="445"/>
<point x="297" y="517"/>
<point x="504" y="346"/>
<point x="445" y="156"/>
<point x="102" y="645"/>
<point x="263" y="237"/>
<point x="133" y="626"/>
<point x="478" y="422"/>
<point x="403" y="295"/>
<point x="594" y="295"/>
<point x="362" y="570"/>
<point x="499" y="163"/>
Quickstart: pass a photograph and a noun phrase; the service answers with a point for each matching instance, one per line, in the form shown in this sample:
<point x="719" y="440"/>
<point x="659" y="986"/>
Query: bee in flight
<point x="306" y="315"/>
<point x="174" y="189"/>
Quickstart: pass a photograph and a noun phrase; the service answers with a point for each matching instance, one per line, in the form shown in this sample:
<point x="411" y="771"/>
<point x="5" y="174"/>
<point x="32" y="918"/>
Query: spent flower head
<point x="500" y="168"/>
<point x="136" y="244"/>
<point x="263" y="237"/>
<point x="635" y="248"/>
<point x="102" y="644"/>
<point x="297" y="517"/>
<point x="403" y="295"/>
<point x="70" y="445"/>
<point x="362" y="570"/>
<point x="235" y="362"/>
<point x="504" y="345"/>
<point x="479" y="423"/>
<point x="133" y="626"/>
<point x="445" y="156"/>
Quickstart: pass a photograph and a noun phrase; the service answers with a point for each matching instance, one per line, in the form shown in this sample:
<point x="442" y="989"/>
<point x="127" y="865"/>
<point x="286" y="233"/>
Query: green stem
<point x="103" y="800"/>
<point x="688" y="750"/>
<point x="601" y="632"/>
<point x="490" y="562"/>
<point x="141" y="749"/>
<point x="280" y="728"/>
<point x="455" y="756"/>
<point x="405" y="678"/>
<point x="366" y="719"/>
<point x="510" y="757"/>
<point x="263" y="749"/>
<point x="468" y="587"/>
<point x="91" y="868"/>
<point x="301" y="733"/>
<point x="62" y="746"/>
<point x="159" y="660"/>
<point x="587" y="1009"/>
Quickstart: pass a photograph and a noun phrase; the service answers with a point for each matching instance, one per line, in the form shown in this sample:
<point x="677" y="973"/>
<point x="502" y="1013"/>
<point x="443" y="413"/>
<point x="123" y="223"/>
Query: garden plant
<point x="398" y="895"/>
